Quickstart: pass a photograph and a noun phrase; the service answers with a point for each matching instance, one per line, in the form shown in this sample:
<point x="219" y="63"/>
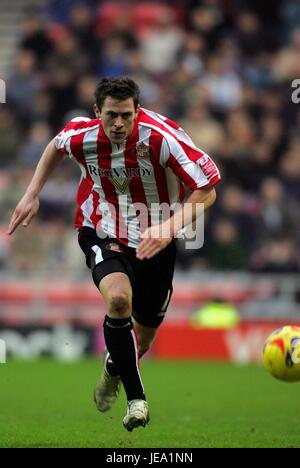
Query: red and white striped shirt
<point x="150" y="168"/>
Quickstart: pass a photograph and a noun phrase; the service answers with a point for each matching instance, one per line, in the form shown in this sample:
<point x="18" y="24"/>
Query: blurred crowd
<point x="223" y="69"/>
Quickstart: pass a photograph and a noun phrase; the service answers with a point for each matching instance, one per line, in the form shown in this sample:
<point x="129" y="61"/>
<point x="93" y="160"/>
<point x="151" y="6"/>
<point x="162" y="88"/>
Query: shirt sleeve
<point x="61" y="140"/>
<point x="192" y="166"/>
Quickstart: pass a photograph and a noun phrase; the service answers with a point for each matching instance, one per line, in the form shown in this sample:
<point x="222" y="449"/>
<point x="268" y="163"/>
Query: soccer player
<point x="133" y="162"/>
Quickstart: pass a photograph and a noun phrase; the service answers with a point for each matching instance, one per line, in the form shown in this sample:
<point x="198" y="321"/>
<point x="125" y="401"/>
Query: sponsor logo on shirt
<point x="120" y="177"/>
<point x="119" y="173"/>
<point x="121" y="185"/>
<point x="207" y="166"/>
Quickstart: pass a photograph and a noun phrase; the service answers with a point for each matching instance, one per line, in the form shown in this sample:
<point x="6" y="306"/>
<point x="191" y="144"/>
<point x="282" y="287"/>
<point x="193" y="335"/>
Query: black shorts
<point x="151" y="280"/>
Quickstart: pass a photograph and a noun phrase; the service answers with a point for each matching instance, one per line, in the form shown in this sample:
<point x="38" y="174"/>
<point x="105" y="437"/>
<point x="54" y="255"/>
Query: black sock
<point x="121" y="344"/>
<point x="111" y="367"/>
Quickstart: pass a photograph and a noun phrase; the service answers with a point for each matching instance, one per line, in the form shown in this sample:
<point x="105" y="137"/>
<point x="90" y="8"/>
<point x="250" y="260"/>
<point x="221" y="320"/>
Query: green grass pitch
<point x="49" y="404"/>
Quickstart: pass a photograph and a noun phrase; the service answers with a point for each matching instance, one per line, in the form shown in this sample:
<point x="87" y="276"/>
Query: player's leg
<point x="122" y="346"/>
<point x="145" y="337"/>
<point x="152" y="292"/>
<point x="108" y="388"/>
<point x="111" y="271"/>
<point x="151" y="297"/>
<point x="118" y="332"/>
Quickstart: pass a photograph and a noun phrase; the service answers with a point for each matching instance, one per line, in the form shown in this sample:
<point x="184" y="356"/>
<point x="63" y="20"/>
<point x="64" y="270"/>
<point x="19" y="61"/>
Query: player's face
<point x="117" y="118"/>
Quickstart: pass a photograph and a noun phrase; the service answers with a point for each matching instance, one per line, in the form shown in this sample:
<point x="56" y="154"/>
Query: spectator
<point x="206" y="132"/>
<point x="168" y="39"/>
<point x="9" y="136"/>
<point x="276" y="217"/>
<point x="81" y="24"/>
<point x="224" y="86"/>
<point x="226" y="248"/>
<point x="23" y="84"/>
<point x="113" y="59"/>
<point x="34" y="145"/>
<point x="277" y="256"/>
<point x="35" y="38"/>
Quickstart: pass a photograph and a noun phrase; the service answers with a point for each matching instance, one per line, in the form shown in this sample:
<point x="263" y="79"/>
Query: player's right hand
<point x="24" y="212"/>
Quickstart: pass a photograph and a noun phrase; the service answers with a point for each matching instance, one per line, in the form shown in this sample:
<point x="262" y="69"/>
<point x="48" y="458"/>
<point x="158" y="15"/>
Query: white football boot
<point x="137" y="414"/>
<point x="107" y="390"/>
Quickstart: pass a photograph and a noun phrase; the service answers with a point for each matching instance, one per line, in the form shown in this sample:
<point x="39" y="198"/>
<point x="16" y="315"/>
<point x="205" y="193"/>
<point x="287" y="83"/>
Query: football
<point x="281" y="354"/>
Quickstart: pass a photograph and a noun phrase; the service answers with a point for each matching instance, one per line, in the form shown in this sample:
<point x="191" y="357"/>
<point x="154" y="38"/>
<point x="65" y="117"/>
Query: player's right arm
<point x="29" y="204"/>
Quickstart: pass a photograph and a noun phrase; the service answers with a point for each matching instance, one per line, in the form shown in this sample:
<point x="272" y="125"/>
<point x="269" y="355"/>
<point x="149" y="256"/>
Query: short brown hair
<point x="119" y="88"/>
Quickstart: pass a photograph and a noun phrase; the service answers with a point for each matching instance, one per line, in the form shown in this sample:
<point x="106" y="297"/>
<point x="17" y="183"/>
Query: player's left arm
<point x="156" y="238"/>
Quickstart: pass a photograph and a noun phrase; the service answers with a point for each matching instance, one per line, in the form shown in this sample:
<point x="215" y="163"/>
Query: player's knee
<point x="119" y="305"/>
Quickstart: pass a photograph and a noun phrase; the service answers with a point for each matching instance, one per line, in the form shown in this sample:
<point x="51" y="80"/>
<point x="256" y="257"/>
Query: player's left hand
<point x="153" y="240"/>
